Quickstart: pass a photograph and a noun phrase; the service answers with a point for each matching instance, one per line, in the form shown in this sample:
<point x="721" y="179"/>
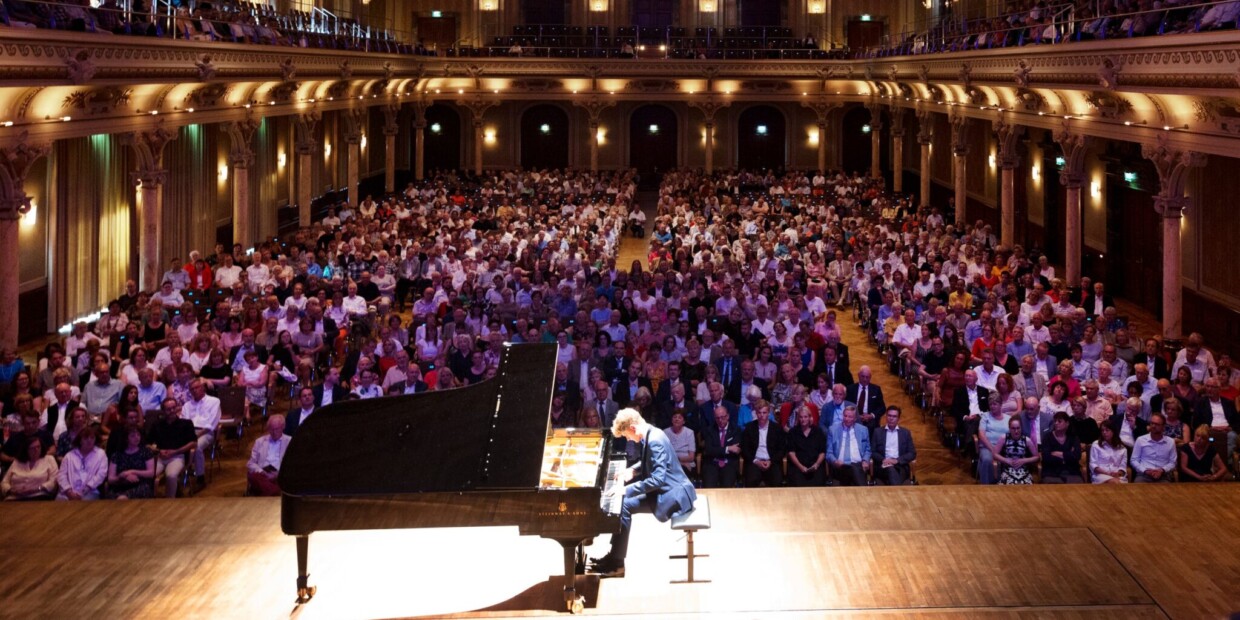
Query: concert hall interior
<point x="929" y="302"/>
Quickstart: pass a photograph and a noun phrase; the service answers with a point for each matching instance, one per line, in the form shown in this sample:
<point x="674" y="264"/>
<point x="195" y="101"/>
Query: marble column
<point x="148" y="148"/>
<point x="1173" y="167"/>
<point x="306" y="146"/>
<point x="960" y="178"/>
<point x="479" y="143"/>
<point x="150" y="227"/>
<point x="594" y="146"/>
<point x="897" y="163"/>
<point x="1009" y="161"/>
<point x="391" y="115"/>
<point x="1072" y="177"/>
<point x="925" y="173"/>
<point x="15" y="162"/>
<point x="240" y="158"/>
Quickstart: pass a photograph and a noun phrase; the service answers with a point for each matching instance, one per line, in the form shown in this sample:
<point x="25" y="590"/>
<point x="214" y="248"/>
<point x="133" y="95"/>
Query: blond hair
<point x="625" y="419"/>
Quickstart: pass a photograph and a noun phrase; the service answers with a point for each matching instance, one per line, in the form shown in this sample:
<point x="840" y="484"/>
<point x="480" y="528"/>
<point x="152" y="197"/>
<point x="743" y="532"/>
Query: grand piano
<point x="481" y="455"/>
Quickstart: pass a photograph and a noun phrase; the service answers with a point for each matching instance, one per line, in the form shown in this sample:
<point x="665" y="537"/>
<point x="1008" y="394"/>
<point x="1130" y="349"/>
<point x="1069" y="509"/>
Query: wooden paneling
<point x="1218" y="188"/>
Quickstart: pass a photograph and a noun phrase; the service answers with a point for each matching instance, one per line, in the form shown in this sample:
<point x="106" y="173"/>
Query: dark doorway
<point x="761" y="139"/>
<point x="653" y="13"/>
<point x="542" y="12"/>
<point x="441" y="148"/>
<point x="653" y="141"/>
<point x="544" y="138"/>
<point x="1134" y="237"/>
<point x="436" y="33"/>
<point x="857" y="144"/>
<point x="760" y="13"/>
<point x="864" y="34"/>
<point x="1054" y="210"/>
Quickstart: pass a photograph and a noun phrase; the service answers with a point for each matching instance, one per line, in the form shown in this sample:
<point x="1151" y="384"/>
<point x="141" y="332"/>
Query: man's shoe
<point x="611" y="572"/>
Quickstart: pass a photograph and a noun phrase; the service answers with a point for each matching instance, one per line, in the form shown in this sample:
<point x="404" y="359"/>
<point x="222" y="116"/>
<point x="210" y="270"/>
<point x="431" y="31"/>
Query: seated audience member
<point x="173" y="438"/>
<point x="721" y="451"/>
<point x="300" y="411"/>
<point x="16" y="444"/>
<point x="807" y="457"/>
<point x="1128" y="425"/>
<point x="1061" y="453"/>
<point x="204" y="412"/>
<point x="83" y="469"/>
<point x="893" y="450"/>
<point x="762" y="445"/>
<point x="1108" y="458"/>
<point x="848" y="450"/>
<point x="33" y="475"/>
<point x="79" y="420"/>
<point x="1199" y="460"/>
<point x="1017" y="456"/>
<point x="131" y="471"/>
<point x="683" y="440"/>
<point x="264" y="465"/>
<point x="991" y="431"/>
<point x="1153" y="454"/>
<point x="1219" y="414"/>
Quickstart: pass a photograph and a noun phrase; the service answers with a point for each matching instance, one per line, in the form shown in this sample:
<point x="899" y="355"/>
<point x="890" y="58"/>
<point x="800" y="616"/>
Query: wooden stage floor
<point x="1128" y="552"/>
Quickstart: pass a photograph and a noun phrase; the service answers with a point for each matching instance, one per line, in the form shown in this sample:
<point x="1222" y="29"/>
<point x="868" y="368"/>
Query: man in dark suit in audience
<point x="891" y="447"/>
<point x="763" y="446"/>
<point x="729" y="363"/>
<point x="1153" y="360"/>
<point x="236" y="355"/>
<point x="664" y="393"/>
<point x="1099" y="301"/>
<point x="746" y="378"/>
<point x="969" y="403"/>
<point x="869" y="398"/>
<point x="677" y="401"/>
<point x="1219" y="414"/>
<point x="300" y="410"/>
<point x="707" y="410"/>
<point x="836" y="371"/>
<point x="615" y="365"/>
<point x="721" y="451"/>
<point x="626" y="386"/>
<point x="330" y="391"/>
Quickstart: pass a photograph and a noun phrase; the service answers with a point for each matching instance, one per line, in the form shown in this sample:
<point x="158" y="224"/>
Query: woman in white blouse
<point x="32" y="476"/>
<point x="1108" y="459"/>
<point x="84" y="469"/>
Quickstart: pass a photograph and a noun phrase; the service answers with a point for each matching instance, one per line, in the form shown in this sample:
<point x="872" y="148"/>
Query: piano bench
<point x="690" y="523"/>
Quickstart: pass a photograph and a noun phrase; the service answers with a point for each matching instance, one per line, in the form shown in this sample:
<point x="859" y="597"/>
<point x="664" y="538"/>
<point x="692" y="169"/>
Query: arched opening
<point x="855" y="129"/>
<point x="441" y="149"/>
<point x="761" y="139"/>
<point x="653" y="141"/>
<point x="544" y="138"/>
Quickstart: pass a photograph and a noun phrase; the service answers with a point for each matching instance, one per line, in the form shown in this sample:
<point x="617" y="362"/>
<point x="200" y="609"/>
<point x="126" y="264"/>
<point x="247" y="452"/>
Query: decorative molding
<point x="97" y="101"/>
<point x="1108" y="74"/>
<point x="206" y="69"/>
<point x="1021" y="73"/>
<point x="241" y="137"/>
<point x="594" y="107"/>
<point x="15" y="162"/>
<point x="305" y="142"/>
<point x="1074" y="147"/>
<point x="1108" y="105"/>
<point x="1173" y="166"/>
<point x="288" y="70"/>
<point x="1008" y="136"/>
<point x="148" y="147"/>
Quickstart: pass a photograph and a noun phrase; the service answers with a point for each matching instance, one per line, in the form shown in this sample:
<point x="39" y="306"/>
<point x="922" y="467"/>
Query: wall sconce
<point x="817" y="7"/>
<point x="1036" y="172"/>
<point x="488" y="136"/>
<point x="990" y="159"/>
<point x="706" y="6"/>
<point x="1095" y="189"/>
<point x="223" y="172"/>
<point x="327" y="149"/>
<point x="281" y="160"/>
<point x="600" y="135"/>
<point x="29" y="218"/>
<point x="489" y="5"/>
<point x="813" y="137"/>
<point x="436" y="128"/>
<point x="598" y="6"/>
<point x="363" y="142"/>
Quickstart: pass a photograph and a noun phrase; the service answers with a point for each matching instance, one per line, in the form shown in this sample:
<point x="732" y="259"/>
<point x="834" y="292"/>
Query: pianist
<point x="656" y="480"/>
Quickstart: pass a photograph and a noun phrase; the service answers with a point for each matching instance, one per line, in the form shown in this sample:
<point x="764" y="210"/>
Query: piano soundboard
<point x="573" y="458"/>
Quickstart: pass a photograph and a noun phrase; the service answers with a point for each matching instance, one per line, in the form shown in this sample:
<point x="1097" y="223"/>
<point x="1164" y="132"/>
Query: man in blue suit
<point x="656" y="479"/>
<point x="848" y="450"/>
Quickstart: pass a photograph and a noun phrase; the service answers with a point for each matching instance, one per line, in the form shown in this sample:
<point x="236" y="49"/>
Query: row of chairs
<point x="648" y="32"/>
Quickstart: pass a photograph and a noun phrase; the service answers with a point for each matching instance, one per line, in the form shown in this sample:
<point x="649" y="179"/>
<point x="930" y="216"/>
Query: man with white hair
<point x="655" y="479"/>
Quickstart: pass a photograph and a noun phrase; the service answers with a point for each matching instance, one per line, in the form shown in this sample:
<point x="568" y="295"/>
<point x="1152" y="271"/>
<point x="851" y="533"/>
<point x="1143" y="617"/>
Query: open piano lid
<point x="484" y="436"/>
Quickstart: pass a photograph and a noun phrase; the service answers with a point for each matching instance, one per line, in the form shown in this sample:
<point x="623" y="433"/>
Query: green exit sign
<point x="436" y="14"/>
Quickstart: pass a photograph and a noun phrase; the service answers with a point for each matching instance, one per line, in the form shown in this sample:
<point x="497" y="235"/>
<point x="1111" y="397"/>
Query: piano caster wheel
<point x="305" y="594"/>
<point x="577" y="605"/>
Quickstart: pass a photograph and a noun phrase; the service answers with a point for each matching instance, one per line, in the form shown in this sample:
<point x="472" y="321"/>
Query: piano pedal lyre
<point x="305" y="594"/>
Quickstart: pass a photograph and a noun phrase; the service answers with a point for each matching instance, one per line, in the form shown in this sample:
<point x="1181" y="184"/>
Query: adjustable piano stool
<point x="690" y="523"/>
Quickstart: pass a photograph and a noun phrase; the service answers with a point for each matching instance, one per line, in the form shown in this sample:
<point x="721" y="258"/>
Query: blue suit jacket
<point x="661" y="474"/>
<point x="835" y="441"/>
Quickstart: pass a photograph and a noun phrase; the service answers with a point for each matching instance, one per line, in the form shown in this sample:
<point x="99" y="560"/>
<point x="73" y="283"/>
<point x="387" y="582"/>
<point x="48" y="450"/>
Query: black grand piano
<point x="482" y="455"/>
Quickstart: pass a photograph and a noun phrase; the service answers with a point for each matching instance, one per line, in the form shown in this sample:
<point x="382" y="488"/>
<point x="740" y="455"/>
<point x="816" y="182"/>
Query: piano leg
<point x="573" y="603"/>
<point x="305" y="592"/>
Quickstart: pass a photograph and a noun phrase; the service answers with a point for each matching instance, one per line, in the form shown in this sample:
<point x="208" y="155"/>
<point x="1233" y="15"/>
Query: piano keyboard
<point x="613" y="490"/>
